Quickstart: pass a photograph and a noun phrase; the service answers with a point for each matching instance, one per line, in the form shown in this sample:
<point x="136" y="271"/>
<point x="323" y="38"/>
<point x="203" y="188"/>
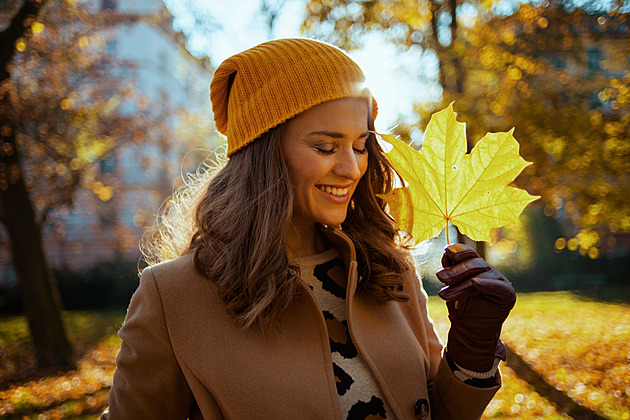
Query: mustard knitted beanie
<point x="257" y="89"/>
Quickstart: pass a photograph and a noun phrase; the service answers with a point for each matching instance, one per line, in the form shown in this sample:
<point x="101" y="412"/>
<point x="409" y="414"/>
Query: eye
<point x="360" y="147"/>
<point x="325" y="151"/>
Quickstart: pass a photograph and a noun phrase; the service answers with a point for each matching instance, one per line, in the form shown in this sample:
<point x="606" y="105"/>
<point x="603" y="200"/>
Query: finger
<point x="456" y="253"/>
<point x="495" y="288"/>
<point x="460" y="291"/>
<point x="463" y="270"/>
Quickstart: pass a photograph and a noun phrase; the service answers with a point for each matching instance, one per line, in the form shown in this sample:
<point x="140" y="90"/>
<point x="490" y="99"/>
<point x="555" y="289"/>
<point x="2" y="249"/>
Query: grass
<point x="80" y="394"/>
<point x="580" y="346"/>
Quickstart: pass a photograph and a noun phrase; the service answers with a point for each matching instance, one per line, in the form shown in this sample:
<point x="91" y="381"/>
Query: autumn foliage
<point x="555" y="72"/>
<point x="66" y="95"/>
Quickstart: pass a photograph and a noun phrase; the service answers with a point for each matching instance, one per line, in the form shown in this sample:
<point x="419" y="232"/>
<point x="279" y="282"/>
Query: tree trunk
<point x="14" y="31"/>
<point x="439" y="50"/>
<point x="42" y="303"/>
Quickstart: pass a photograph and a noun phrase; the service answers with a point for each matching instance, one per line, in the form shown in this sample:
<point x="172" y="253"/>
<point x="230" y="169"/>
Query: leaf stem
<point x="447" y="240"/>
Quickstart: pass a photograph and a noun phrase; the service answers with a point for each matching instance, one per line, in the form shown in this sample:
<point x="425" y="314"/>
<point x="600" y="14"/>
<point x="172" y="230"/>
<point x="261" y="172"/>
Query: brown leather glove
<point x="479" y="298"/>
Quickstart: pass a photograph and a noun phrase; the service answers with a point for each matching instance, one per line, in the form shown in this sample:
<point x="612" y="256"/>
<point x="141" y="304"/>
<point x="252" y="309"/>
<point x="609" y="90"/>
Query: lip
<point x="337" y="199"/>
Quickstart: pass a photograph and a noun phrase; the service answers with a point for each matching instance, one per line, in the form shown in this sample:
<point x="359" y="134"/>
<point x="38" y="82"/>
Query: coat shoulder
<point x="173" y="272"/>
<point x="179" y="282"/>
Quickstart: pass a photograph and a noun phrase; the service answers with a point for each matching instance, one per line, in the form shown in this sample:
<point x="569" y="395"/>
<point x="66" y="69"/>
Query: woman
<point x="294" y="296"/>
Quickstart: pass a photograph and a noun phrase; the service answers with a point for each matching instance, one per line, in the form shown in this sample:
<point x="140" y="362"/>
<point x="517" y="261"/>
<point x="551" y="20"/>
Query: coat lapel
<point x="383" y="335"/>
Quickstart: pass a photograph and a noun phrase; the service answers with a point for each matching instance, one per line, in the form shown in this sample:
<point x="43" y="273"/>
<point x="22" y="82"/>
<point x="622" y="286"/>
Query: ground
<point x="579" y="344"/>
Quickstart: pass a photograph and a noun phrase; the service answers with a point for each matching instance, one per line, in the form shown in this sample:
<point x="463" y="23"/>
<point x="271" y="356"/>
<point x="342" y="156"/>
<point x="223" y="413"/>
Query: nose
<point x="349" y="165"/>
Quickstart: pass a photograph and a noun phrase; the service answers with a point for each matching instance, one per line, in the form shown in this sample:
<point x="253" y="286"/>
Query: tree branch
<point x="15" y="31"/>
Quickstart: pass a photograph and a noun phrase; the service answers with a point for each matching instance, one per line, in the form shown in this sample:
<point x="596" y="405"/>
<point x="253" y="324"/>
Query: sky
<point x="238" y="25"/>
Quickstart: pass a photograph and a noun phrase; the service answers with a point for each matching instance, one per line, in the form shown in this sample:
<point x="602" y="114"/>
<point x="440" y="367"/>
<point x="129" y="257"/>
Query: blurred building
<point x="107" y="221"/>
<point x="599" y="53"/>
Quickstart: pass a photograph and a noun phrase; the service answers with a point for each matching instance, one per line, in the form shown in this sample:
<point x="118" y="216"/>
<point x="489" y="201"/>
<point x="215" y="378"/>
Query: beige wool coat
<point x="183" y="357"/>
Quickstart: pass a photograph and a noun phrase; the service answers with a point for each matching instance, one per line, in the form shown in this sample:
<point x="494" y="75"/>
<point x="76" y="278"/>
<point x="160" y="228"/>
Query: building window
<point x="558" y="62"/>
<point x="593" y="58"/>
<point x="108" y="164"/>
<point x="109" y="4"/>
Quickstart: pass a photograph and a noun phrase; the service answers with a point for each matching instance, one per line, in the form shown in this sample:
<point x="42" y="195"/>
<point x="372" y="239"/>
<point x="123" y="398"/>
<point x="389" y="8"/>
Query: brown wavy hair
<point x="234" y="221"/>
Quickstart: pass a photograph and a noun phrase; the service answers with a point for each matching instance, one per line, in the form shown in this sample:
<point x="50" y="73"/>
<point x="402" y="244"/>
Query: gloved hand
<point x="479" y="298"/>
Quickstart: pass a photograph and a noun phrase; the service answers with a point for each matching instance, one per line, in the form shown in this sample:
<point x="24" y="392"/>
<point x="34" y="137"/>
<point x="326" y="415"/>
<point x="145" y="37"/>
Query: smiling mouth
<point x="337" y="192"/>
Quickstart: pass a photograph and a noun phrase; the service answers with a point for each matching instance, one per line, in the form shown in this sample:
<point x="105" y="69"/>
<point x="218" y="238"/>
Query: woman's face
<point x="326" y="154"/>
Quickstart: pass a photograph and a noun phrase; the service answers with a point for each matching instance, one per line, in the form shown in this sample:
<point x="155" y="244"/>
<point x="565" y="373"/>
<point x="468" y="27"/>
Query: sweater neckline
<point x="315" y="259"/>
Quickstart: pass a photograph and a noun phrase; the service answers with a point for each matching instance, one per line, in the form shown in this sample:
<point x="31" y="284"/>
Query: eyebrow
<point x="334" y="134"/>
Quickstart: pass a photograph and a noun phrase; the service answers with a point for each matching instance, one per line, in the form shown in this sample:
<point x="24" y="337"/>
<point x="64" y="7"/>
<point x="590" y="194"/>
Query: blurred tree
<point x="269" y="10"/>
<point x="60" y="98"/>
<point x="558" y="73"/>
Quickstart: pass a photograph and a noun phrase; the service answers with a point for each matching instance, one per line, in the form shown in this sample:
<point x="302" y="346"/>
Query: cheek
<point x="296" y="171"/>
<point x="306" y="169"/>
<point x="301" y="179"/>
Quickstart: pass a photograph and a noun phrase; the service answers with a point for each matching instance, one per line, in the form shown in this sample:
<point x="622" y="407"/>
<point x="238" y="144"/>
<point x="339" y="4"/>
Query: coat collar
<point x="346" y="248"/>
<point x="341" y="241"/>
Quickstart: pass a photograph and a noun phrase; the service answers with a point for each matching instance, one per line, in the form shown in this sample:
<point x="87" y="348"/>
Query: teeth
<point x="339" y="192"/>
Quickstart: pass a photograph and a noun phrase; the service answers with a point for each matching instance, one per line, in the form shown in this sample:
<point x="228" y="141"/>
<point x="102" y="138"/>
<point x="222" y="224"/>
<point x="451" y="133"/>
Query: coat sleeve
<point x="453" y="399"/>
<point x="148" y="382"/>
<point x="450" y="397"/>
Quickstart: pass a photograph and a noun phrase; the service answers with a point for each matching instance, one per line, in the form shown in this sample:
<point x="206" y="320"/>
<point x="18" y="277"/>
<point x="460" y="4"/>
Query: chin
<point x="333" y="221"/>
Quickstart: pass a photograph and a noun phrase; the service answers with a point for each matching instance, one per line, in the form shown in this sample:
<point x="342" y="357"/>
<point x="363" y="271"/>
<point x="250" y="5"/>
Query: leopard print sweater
<point x="359" y="394"/>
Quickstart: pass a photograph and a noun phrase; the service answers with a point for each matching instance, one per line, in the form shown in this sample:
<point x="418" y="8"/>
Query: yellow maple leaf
<point x="447" y="184"/>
